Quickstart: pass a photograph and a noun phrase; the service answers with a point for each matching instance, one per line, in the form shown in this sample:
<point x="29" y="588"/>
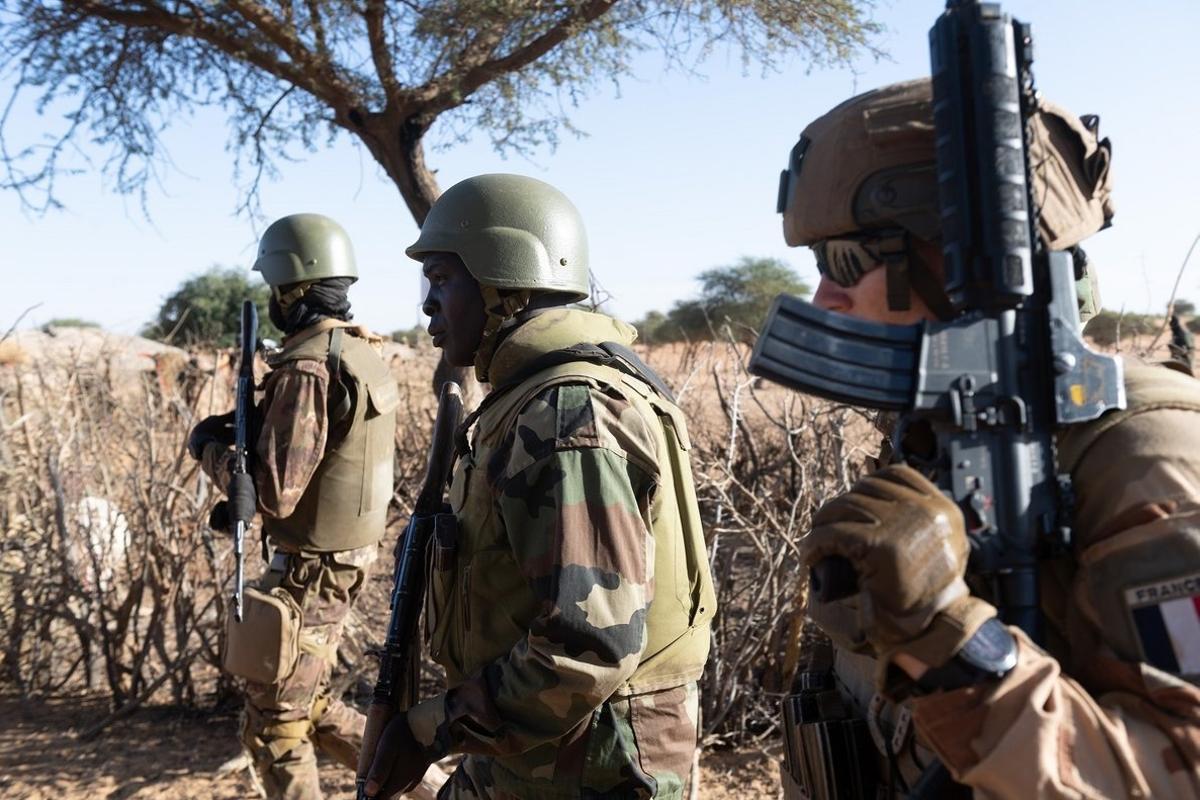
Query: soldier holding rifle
<point x="570" y="600"/>
<point x="321" y="459"/>
<point x="1105" y="702"/>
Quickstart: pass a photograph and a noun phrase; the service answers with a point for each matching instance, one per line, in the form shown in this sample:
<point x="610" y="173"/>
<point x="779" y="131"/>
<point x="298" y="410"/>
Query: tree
<point x="207" y="309"/>
<point x="649" y="327"/>
<point x="1185" y="308"/>
<point x="738" y="295"/>
<point x="301" y="73"/>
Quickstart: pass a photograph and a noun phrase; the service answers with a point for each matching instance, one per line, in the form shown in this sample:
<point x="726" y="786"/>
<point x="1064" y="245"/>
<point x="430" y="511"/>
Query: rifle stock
<point x="395" y="689"/>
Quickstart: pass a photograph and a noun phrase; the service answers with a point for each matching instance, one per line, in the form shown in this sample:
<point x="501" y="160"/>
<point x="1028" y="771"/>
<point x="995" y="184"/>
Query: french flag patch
<point x="1166" y="615"/>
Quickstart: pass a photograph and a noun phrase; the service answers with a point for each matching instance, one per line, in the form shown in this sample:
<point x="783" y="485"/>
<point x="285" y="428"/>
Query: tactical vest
<point x="345" y="504"/>
<point x="479" y="603"/>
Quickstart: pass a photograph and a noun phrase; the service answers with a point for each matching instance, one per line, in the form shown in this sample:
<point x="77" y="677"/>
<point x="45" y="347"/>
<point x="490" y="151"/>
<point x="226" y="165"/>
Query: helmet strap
<point x="893" y="252"/>
<point x="285" y="299"/>
<point x="907" y="272"/>
<point x="500" y="306"/>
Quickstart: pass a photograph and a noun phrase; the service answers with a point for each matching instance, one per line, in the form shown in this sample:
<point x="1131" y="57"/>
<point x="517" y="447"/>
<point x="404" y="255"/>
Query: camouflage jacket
<point x="291" y="437"/>
<point x="539" y="608"/>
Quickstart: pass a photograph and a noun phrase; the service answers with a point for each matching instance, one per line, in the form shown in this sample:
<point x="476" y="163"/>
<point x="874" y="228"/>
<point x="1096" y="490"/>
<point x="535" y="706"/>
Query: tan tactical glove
<point x="905" y="542"/>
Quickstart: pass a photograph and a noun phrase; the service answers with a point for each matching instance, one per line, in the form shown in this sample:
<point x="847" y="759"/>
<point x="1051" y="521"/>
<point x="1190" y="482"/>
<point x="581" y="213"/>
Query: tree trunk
<point x="395" y="141"/>
<point x="399" y="150"/>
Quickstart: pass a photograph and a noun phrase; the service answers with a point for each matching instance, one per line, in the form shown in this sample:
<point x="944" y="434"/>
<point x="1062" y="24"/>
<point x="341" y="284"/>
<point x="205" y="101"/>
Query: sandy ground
<point x="170" y="754"/>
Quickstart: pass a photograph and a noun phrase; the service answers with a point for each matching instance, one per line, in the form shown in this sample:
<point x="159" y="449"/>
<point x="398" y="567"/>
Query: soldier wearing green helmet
<point x="1111" y="706"/>
<point x="571" y="605"/>
<point x="323" y="474"/>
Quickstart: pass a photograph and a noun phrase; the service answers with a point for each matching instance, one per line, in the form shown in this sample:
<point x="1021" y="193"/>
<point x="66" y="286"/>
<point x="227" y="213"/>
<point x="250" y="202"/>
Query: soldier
<point x="1111" y="707"/>
<point x="571" y="607"/>
<point x="1182" y="347"/>
<point x="322" y="467"/>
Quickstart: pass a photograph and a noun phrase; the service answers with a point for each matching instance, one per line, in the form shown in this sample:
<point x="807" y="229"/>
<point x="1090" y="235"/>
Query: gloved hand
<point x="904" y="540"/>
<point x="400" y="762"/>
<point x="218" y="429"/>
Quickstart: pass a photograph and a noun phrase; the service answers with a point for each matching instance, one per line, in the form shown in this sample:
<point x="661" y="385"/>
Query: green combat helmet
<point x="303" y="248"/>
<point x="866" y="172"/>
<point x="511" y="232"/>
<point x="515" y="235"/>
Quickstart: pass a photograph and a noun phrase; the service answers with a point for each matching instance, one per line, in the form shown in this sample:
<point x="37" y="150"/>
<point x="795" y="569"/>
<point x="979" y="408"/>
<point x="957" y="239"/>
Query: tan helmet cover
<point x="870" y="163"/>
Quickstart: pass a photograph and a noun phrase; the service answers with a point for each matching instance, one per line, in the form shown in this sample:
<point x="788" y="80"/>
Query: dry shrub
<point x="11" y="353"/>
<point x="764" y="459"/>
<point x="111" y="581"/>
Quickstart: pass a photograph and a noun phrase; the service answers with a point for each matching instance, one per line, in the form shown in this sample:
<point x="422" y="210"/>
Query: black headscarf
<point x="325" y="298"/>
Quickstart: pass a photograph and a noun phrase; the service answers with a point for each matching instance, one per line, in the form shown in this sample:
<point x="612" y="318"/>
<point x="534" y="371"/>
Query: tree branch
<point x="449" y="90"/>
<point x="381" y="53"/>
<point x="302" y="71"/>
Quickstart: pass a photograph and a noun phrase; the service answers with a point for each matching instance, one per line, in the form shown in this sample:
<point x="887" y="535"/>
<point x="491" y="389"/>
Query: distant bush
<point x="410" y="336"/>
<point x="1103" y="327"/>
<point x="69" y="322"/>
<point x="206" y="309"/>
<point x="738" y="295"/>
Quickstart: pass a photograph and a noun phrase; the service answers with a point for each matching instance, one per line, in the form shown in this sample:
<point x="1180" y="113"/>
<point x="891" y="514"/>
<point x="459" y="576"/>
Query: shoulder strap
<point x="606" y="354"/>
<point x="609" y="355"/>
<point x="341" y="404"/>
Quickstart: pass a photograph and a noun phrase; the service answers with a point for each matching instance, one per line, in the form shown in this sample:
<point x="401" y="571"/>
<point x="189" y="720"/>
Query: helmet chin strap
<point x="907" y="272"/>
<point x="285" y="299"/>
<point x="500" y="306"/>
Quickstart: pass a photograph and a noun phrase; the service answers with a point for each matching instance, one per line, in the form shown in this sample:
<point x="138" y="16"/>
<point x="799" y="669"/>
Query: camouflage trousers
<point x="635" y="747"/>
<point x="284" y="721"/>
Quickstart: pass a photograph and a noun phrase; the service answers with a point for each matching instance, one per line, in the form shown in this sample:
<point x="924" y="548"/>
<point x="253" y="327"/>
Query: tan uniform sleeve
<point x="1135" y="730"/>
<point x="291" y="439"/>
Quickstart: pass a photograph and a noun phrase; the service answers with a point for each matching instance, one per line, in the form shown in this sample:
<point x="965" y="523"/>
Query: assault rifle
<point x="241" y="482"/>
<point x="396" y="688"/>
<point x="1010" y="368"/>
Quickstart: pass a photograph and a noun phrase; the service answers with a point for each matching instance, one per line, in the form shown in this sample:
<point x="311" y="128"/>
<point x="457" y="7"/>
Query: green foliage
<point x="1103" y="327"/>
<point x="1185" y="308"/>
<point x="649" y="327"/>
<point x="69" y="322"/>
<point x="738" y="295"/>
<point x="291" y="76"/>
<point x="206" y="310"/>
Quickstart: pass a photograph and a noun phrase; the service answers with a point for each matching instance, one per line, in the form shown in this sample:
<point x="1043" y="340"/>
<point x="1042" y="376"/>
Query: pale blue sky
<point x="677" y="175"/>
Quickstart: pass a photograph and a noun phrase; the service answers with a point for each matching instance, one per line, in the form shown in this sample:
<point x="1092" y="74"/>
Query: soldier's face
<point x="867" y="299"/>
<point x="454" y="306"/>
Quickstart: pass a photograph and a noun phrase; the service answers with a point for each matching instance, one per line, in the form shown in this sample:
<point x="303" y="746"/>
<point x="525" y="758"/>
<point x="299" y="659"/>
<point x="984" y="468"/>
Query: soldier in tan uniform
<point x="1111" y="706"/>
<point x="571" y="606"/>
<point x="322" y="467"/>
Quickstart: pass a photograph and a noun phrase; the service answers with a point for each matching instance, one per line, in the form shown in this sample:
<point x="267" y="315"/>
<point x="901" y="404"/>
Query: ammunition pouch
<point x="265" y="645"/>
<point x="827" y="754"/>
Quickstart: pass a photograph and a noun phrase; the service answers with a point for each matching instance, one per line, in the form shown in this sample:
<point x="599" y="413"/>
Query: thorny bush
<point x="110" y="580"/>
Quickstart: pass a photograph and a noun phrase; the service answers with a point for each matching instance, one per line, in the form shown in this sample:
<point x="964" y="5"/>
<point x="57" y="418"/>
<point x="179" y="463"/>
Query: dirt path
<point x="168" y="754"/>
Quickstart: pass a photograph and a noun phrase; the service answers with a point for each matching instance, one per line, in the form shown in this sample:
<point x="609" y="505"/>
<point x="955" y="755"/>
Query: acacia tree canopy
<point x="296" y="73"/>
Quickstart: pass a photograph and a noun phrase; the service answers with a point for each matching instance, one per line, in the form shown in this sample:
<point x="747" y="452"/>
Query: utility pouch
<point x="265" y="645"/>
<point x="826" y="754"/>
